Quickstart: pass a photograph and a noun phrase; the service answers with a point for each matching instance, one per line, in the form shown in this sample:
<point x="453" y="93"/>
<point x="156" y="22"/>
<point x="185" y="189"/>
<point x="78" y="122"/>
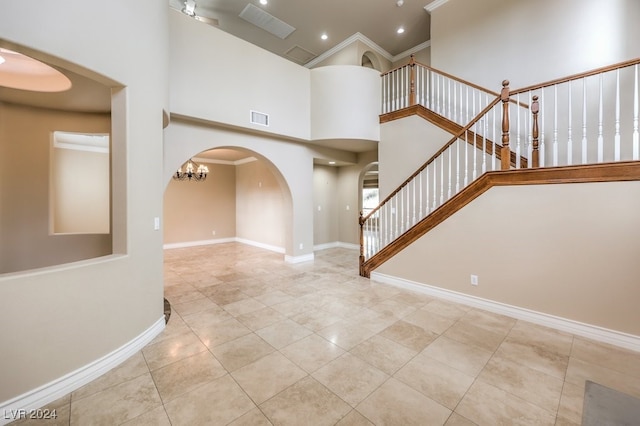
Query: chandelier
<point x="191" y="171"/>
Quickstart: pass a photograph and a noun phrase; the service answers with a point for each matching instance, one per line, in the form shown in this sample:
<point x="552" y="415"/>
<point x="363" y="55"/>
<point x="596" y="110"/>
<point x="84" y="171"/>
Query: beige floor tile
<point x="438" y="381"/>
<point x="224" y="295"/>
<point x="395" y="403"/>
<point x="205" y="318"/>
<point x="374" y="320"/>
<point x="293" y="307"/>
<point x="619" y="359"/>
<point x="252" y="418"/>
<point x="393" y="307"/>
<point x="466" y="358"/>
<point x="133" y="367"/>
<point x="172" y="350"/>
<point x="487" y="405"/>
<point x="283" y="333"/>
<point x="342" y="308"/>
<point x="457" y="420"/>
<point x="217" y="334"/>
<point x="571" y="403"/>
<point x="496" y="323"/>
<point x="383" y="353"/>
<point x="217" y="403"/>
<point x="182" y="293"/>
<point x="46" y="416"/>
<point x="187" y="374"/>
<point x="579" y="371"/>
<point x="273" y="298"/>
<point x="530" y="385"/>
<point x="346" y="334"/>
<point x="470" y="334"/>
<point x="305" y="402"/>
<point x="261" y="318"/>
<point x="350" y="378"/>
<point x="316" y="319"/>
<point x="268" y="376"/>
<point x="175" y="327"/>
<point x="547" y="339"/>
<point x="155" y="417"/>
<point x="561" y="421"/>
<point x="193" y="306"/>
<point x="354" y="418"/>
<point x="446" y="309"/>
<point x="243" y="306"/>
<point x="534" y="357"/>
<point x="312" y="352"/>
<point x="410" y="298"/>
<point x="117" y="404"/>
<point x="299" y="290"/>
<point x="430" y="321"/>
<point x="241" y="351"/>
<point x="410" y="335"/>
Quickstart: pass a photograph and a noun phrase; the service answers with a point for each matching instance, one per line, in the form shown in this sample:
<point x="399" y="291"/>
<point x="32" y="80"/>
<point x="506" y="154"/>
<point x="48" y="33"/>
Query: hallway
<point x="252" y="340"/>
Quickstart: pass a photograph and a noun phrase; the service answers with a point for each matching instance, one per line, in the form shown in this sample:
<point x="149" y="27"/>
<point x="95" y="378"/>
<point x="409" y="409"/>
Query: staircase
<point x="581" y="128"/>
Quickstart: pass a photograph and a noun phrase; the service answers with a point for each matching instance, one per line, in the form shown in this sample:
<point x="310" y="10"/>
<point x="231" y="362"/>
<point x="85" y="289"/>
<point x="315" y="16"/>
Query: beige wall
<point x="260" y="205"/>
<point x="565" y="250"/>
<point x="531" y="42"/>
<point x="63" y="319"/>
<point x="26" y="241"/>
<point x="423" y="56"/>
<point x="194" y="210"/>
<point x="352" y="55"/>
<point x="325" y="213"/>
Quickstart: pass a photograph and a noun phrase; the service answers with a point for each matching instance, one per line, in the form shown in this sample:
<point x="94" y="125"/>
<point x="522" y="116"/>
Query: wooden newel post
<point x="505" y="153"/>
<point x="535" y="108"/>
<point x="361" y="259"/>
<point x="412" y="79"/>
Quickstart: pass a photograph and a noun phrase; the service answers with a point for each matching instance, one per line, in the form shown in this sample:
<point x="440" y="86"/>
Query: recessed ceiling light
<point x="324" y="36"/>
<point x="332" y="162"/>
<point x="400" y="30"/>
<point x="263" y="2"/>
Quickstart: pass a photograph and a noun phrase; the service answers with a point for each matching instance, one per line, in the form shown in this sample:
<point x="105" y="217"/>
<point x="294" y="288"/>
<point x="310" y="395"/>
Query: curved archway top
<point x="370" y="59"/>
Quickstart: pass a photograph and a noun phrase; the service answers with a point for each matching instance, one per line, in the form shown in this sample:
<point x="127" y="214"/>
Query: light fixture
<point x="400" y="30"/>
<point x="399" y="3"/>
<point x="263" y="2"/>
<point x="191" y="171"/>
<point x="332" y="162"/>
<point x="189" y="8"/>
<point x="1" y="59"/>
<point x="324" y="36"/>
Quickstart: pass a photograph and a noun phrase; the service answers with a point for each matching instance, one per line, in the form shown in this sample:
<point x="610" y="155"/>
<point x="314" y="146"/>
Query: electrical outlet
<point x="474" y="280"/>
<point x="301" y="246"/>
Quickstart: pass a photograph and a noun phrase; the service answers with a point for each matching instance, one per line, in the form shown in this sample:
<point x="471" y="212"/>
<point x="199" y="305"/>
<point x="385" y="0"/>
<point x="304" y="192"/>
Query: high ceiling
<point x="377" y="20"/>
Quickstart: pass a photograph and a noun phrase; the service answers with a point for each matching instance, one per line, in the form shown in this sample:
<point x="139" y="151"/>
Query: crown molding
<point x="346" y="42"/>
<point x="434" y="5"/>
<point x="225" y="162"/>
<point x="411" y="51"/>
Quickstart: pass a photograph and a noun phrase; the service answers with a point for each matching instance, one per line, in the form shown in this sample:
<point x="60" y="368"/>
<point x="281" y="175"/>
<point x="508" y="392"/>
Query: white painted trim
<point x="198" y="243"/>
<point x="625" y="340"/>
<point x="336" y="244"/>
<point x="299" y="259"/>
<point x="260" y="245"/>
<point x="58" y="388"/>
<point x="225" y="162"/>
<point x="411" y="51"/>
<point x="434" y="5"/>
<point x="346" y="42"/>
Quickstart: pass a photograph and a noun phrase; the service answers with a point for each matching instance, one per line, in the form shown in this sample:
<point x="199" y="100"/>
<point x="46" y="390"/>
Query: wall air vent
<point x="259" y="118"/>
<point x="299" y="55"/>
<point x="266" y="21"/>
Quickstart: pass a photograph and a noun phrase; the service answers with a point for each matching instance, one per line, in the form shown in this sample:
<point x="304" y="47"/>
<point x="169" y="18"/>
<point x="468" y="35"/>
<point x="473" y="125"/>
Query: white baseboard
<point x="58" y="388"/>
<point x="198" y="243"/>
<point x="336" y="244"/>
<point x="299" y="259"/>
<point x="260" y="245"/>
<point x="617" y="338"/>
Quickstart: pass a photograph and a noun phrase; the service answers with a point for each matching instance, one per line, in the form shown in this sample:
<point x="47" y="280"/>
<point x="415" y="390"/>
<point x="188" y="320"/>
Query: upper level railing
<point x="586" y="118"/>
<point x="442" y="93"/>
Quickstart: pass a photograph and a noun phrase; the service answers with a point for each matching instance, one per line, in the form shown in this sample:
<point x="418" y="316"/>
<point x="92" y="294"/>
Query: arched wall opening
<point x="244" y="198"/>
<point x="288" y="165"/>
<point x="368" y="188"/>
<point x="370" y="60"/>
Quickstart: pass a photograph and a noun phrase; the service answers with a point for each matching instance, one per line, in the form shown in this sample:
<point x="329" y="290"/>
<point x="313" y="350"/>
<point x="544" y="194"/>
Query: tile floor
<point x="255" y="341"/>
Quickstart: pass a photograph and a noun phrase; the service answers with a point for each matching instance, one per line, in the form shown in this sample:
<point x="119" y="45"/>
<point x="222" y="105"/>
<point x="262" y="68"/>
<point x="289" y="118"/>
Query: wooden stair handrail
<point x="606" y="172"/>
<point x="578" y="76"/>
<point x="435" y="156"/>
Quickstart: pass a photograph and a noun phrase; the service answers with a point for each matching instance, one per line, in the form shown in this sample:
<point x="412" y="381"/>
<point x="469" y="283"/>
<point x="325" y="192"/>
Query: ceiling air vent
<point x="260" y="118"/>
<point x="300" y="55"/>
<point x="266" y="21"/>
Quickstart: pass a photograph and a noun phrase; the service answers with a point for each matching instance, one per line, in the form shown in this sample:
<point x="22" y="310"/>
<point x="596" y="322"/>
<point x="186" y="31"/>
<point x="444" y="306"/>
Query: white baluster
<point x="569" y="131"/>
<point x="529" y="142"/>
<point x="636" y="137"/>
<point x="616" y="140"/>
<point x="466" y="163"/>
<point x="484" y="124"/>
<point x="541" y="146"/>
<point x="475" y="151"/>
<point x="555" y="125"/>
<point x="600" y="126"/>
<point x="441" y="179"/>
<point x="449" y="97"/>
<point x="449" y="150"/>
<point x="458" y="165"/>
<point x="427" y="210"/>
<point x="518" y="138"/>
<point x="435" y="166"/>
<point x="584" y="121"/>
<point x="495" y="141"/>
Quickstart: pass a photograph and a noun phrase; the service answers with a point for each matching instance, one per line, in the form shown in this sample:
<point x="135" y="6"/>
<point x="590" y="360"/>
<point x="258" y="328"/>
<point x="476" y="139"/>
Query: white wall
<point x="345" y="103"/>
<point x="218" y="77"/>
<point x="529" y="42"/>
<point x="63" y="318"/>
<point x="325" y="212"/>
